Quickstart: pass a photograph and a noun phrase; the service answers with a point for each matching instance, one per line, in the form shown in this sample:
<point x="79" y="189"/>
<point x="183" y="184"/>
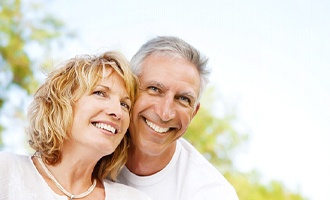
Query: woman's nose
<point x="114" y="108"/>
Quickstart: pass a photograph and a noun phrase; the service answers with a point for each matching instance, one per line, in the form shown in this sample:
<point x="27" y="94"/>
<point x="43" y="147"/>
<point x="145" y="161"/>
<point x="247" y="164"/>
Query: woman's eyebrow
<point x="105" y="87"/>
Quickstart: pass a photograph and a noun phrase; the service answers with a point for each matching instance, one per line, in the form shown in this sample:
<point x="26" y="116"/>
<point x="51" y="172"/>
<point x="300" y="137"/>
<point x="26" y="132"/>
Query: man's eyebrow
<point x="155" y="83"/>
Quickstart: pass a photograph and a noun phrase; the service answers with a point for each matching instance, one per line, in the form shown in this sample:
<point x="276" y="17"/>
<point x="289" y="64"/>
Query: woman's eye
<point x="100" y="93"/>
<point x="126" y="105"/>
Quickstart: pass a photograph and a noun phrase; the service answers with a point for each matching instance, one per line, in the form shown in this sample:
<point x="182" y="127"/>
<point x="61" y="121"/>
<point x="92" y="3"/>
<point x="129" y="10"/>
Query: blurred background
<point x="264" y="121"/>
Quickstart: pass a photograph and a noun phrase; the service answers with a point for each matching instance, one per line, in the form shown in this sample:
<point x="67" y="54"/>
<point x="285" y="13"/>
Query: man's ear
<point x="196" y="109"/>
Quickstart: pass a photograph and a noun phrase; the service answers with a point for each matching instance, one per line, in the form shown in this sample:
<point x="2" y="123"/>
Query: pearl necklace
<point x="59" y="186"/>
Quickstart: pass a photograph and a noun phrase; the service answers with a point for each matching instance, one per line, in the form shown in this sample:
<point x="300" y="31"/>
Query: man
<point x="173" y="76"/>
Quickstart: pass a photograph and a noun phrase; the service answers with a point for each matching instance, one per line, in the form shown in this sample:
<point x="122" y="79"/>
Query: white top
<point x="188" y="176"/>
<point x="20" y="180"/>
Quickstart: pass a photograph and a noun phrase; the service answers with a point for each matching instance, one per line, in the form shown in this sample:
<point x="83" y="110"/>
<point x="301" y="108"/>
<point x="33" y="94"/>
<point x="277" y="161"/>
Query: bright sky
<point x="269" y="58"/>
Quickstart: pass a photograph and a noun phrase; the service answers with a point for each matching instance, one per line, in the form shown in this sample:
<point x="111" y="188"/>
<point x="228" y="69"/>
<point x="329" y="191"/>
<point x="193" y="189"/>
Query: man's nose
<point x="166" y="109"/>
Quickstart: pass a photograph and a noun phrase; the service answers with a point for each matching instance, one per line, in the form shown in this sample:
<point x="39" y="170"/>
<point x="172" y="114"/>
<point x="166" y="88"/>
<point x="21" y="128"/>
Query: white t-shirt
<point x="20" y="180"/>
<point x="188" y="176"/>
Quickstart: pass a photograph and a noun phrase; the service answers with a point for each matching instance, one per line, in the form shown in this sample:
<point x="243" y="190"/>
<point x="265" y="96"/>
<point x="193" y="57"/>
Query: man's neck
<point x="143" y="164"/>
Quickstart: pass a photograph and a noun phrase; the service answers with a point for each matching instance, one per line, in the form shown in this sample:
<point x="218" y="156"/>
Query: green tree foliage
<point x="23" y="25"/>
<point x="218" y="139"/>
<point x="249" y="187"/>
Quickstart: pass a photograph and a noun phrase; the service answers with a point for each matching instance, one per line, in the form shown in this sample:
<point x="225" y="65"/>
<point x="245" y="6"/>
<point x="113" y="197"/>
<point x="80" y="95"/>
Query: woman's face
<point x="101" y="117"/>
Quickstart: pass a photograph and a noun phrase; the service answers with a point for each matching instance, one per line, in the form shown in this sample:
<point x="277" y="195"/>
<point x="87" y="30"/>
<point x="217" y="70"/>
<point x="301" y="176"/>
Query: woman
<point x="77" y="125"/>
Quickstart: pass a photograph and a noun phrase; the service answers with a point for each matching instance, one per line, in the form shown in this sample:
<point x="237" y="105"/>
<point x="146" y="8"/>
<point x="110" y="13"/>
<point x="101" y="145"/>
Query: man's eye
<point x="153" y="89"/>
<point x="185" y="99"/>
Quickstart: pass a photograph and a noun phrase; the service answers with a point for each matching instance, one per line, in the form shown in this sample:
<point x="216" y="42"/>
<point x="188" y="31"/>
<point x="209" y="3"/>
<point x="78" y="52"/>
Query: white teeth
<point x="106" y="127"/>
<point x="157" y="128"/>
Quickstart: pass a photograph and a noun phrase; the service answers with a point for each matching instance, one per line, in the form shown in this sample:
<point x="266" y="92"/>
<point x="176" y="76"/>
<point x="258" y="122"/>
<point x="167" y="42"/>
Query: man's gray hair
<point x="172" y="47"/>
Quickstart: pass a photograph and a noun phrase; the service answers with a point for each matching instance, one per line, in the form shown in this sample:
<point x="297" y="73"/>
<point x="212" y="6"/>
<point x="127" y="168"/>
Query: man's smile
<point x="157" y="128"/>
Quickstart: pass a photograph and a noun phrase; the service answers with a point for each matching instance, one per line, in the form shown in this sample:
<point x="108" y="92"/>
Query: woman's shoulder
<point x="121" y="191"/>
<point x="6" y="157"/>
<point x="11" y="159"/>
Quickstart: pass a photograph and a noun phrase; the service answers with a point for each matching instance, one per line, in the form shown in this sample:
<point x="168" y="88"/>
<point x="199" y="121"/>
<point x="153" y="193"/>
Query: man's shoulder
<point x="189" y="152"/>
<point x="208" y="181"/>
<point x="187" y="146"/>
<point x="193" y="160"/>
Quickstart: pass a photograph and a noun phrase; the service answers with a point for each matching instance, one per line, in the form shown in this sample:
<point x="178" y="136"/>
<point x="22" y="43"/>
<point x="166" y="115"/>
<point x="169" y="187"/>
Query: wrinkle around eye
<point x="185" y="101"/>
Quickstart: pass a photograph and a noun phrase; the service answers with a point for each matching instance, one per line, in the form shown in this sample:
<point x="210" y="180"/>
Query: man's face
<point x="166" y="104"/>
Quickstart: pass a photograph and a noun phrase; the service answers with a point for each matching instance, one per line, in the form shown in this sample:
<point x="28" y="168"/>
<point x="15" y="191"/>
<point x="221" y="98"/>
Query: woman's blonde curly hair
<point x="51" y="112"/>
